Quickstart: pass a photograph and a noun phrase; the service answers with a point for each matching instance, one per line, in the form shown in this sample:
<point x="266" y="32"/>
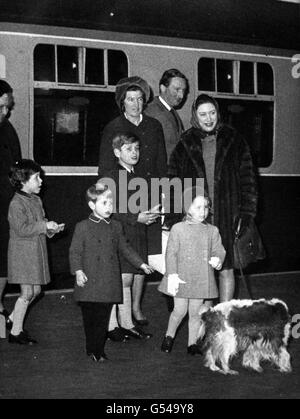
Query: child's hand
<point x="81" y="278"/>
<point x="147" y="268"/>
<point x="52" y="226"/>
<point x="146" y="217"/>
<point x="173" y="284"/>
<point x="215" y="262"/>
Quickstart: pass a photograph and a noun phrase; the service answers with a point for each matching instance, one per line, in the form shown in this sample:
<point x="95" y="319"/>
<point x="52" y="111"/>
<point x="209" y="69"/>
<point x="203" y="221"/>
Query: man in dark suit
<point x="172" y="90"/>
<point x="9" y="153"/>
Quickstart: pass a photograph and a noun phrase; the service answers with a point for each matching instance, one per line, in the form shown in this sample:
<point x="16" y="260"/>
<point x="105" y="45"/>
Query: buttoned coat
<point x="152" y="163"/>
<point x="135" y="232"/>
<point x="95" y="249"/>
<point x="27" y="249"/>
<point x="189" y="249"/>
<point x="157" y="110"/>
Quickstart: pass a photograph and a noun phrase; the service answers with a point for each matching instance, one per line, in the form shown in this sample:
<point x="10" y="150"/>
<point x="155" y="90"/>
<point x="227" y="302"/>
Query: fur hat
<point x="123" y="84"/>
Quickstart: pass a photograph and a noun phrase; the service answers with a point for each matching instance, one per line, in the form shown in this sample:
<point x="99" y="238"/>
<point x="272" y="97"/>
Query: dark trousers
<point x="95" y="322"/>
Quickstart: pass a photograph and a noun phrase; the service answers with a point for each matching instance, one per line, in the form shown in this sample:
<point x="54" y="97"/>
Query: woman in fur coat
<point x="217" y="153"/>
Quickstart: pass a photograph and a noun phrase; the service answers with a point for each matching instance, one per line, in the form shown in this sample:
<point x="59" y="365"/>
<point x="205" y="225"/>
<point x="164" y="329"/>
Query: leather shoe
<point x="117" y="335"/>
<point x="138" y="334"/>
<point x="194" y="350"/>
<point x="167" y="344"/>
<point x="21" y="339"/>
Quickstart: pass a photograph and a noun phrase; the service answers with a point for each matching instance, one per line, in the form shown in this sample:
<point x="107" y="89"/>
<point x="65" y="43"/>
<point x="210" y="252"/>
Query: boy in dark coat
<point x="127" y="150"/>
<point x="94" y="259"/>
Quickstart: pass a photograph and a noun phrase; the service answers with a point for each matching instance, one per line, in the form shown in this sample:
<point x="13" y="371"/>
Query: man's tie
<point x="178" y="125"/>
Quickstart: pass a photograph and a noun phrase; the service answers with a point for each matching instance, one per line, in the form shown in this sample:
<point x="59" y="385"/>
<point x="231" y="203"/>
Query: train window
<point x="265" y="83"/>
<point x="225" y="76"/>
<point x="254" y="120"/>
<point x="206" y="74"/>
<point x="68" y="125"/>
<point x="246" y="80"/>
<point x="94" y="66"/>
<point x="67" y="64"/>
<point x="44" y="63"/>
<point x="117" y="66"/>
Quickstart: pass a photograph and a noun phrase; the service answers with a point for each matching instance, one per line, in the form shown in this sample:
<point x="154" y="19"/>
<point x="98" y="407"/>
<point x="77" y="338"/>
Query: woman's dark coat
<point x="235" y="191"/>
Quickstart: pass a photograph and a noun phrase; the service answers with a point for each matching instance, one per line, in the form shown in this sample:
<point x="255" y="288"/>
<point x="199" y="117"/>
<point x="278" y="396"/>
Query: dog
<point x="258" y="328"/>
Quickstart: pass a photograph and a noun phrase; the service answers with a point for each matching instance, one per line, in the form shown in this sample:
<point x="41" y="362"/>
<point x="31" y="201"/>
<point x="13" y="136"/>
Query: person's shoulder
<point x="114" y="123"/>
<point x="212" y="228"/>
<point x="82" y="225"/>
<point x="178" y="227"/>
<point x="155" y="105"/>
<point x="227" y="131"/>
<point x="150" y="121"/>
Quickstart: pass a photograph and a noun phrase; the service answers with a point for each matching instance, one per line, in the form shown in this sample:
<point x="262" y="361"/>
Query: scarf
<point x="190" y="220"/>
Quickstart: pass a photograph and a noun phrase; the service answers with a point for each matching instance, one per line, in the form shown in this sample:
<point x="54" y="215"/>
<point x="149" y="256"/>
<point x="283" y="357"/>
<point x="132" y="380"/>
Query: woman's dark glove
<point x="242" y="223"/>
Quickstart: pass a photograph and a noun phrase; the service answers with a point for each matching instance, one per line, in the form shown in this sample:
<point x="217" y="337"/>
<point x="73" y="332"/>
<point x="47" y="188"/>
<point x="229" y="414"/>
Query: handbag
<point x="247" y="248"/>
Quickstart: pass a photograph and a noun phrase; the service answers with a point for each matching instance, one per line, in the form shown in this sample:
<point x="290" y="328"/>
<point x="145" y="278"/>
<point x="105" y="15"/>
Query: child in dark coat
<point x="126" y="148"/>
<point x="94" y="259"/>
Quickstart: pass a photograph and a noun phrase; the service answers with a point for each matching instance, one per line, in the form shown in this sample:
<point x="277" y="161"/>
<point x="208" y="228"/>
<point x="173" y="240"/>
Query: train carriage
<point x="64" y="80"/>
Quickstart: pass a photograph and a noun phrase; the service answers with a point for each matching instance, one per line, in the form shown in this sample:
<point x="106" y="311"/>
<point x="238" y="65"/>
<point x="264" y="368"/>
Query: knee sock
<point x="125" y="309"/>
<point x="19" y="315"/>
<point x="113" y="321"/>
<point x="194" y="327"/>
<point x="174" y="321"/>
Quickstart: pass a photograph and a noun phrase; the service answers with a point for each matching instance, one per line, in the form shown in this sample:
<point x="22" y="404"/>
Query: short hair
<point x="131" y="88"/>
<point x="169" y="75"/>
<point x="120" y="139"/>
<point x="21" y="172"/>
<point x="95" y="191"/>
<point x="5" y="88"/>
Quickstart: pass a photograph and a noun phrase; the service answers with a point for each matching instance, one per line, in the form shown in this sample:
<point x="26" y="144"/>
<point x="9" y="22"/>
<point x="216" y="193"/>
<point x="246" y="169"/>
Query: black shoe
<point x="167" y="344"/>
<point x="138" y="334"/>
<point x="117" y="335"/>
<point x="194" y="350"/>
<point x="21" y="339"/>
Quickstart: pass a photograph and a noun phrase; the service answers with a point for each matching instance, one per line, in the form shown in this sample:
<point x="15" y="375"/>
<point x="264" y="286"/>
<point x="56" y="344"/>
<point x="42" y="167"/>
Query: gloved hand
<point x="173" y="284"/>
<point x="241" y="224"/>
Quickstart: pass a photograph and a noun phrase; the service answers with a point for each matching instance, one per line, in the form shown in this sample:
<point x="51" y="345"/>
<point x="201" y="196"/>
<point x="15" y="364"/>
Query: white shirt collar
<point x="164" y="103"/>
<point x="141" y="118"/>
<point x="126" y="168"/>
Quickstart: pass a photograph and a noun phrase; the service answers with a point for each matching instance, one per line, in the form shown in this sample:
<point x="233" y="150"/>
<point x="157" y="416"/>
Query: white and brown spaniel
<point x="260" y="329"/>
